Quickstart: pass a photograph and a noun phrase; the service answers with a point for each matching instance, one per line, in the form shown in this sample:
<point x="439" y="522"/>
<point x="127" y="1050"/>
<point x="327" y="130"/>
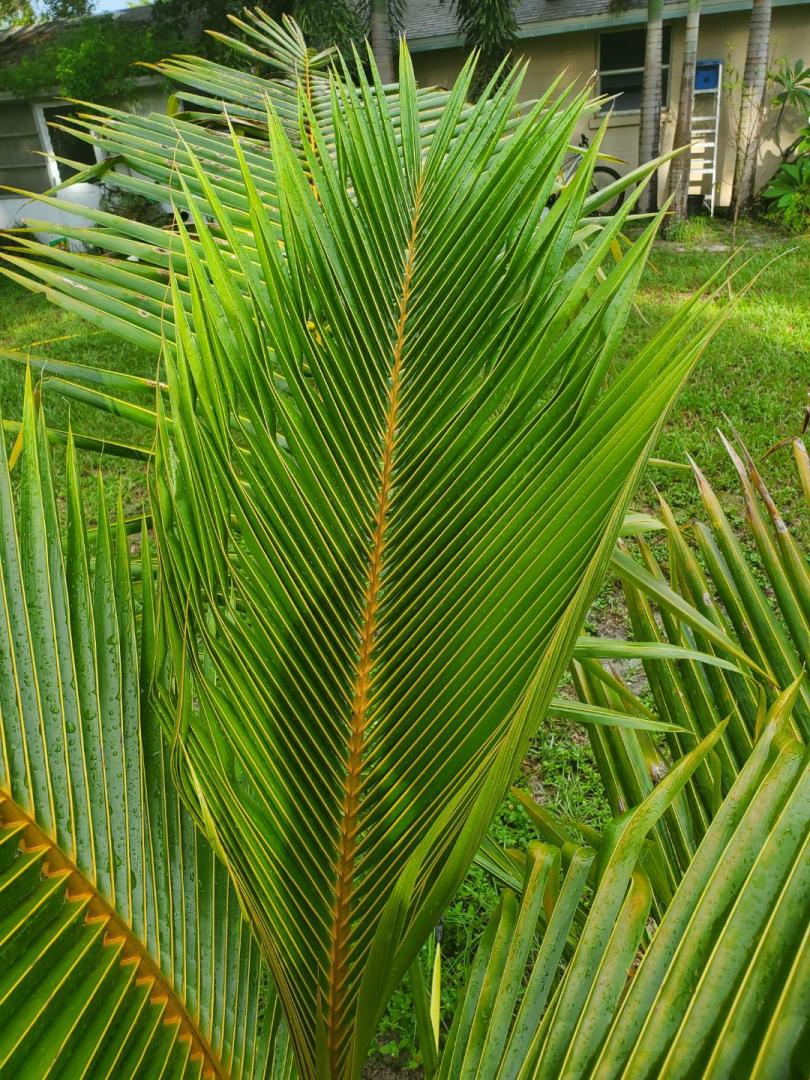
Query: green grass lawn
<point x="31" y="325"/>
<point x="756" y="371"/>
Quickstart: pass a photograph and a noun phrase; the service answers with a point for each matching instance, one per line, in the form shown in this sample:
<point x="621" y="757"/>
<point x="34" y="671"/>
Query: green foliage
<point x="16" y="13"/>
<point x="191" y="18"/>
<point x="94" y="60"/>
<point x="768" y="326"/>
<point x="768" y="611"/>
<point x="794" y="82"/>
<point x="345" y="683"/>
<point x="260" y="355"/>
<point x="491" y="27"/>
<point x="29" y="324"/>
<point x="65" y="9"/>
<point x="24" y="12"/>
<point x="694" y="231"/>
<point x="788" y="191"/>
<point x="714" y="907"/>
<point x="102" y="870"/>
<point x="717" y="983"/>
<point x="454" y="756"/>
<point x="792" y="85"/>
<point x="706" y="590"/>
<point x="761" y="339"/>
<point x="324" y="22"/>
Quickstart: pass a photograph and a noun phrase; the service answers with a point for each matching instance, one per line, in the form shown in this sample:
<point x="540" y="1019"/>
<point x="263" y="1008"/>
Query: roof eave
<point x="551" y="27"/>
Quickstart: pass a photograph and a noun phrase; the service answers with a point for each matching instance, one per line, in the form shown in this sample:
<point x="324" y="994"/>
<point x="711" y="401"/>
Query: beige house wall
<point x="722" y="37"/>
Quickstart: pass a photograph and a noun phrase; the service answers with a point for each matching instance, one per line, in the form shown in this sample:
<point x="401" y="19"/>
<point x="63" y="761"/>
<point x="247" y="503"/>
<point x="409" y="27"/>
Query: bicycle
<point x="603" y="176"/>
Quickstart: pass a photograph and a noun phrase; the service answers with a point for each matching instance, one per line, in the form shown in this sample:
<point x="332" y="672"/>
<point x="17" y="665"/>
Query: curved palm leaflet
<point x="718" y="956"/>
<point x="718" y="953"/>
<point x="124" y="949"/>
<point x="707" y="585"/>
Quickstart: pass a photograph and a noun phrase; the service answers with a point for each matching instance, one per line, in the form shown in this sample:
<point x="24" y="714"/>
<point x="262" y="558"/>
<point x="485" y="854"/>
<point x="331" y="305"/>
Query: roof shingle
<point x="437" y="18"/>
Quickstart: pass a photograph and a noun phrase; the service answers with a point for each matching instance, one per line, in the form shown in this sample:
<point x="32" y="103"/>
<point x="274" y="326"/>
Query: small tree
<point x="23" y="12"/>
<point x="15" y="13"/>
<point x="751" y="105"/>
<point x="793" y="95"/>
<point x="381" y="39"/>
<point x="649" y="136"/>
<point x="680" y="168"/>
<point x="491" y="27"/>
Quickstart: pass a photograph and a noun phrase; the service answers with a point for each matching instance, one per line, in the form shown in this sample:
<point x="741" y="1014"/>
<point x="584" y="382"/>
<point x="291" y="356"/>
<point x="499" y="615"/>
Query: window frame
<point x="666" y="67"/>
<point x="38" y="108"/>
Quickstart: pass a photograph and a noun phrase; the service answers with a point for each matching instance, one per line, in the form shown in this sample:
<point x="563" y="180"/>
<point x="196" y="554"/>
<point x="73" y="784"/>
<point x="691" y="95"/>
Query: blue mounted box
<point x="707" y="74"/>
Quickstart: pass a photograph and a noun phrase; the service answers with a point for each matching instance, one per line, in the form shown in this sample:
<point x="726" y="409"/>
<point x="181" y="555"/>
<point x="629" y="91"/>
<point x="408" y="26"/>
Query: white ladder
<point x="705" y="128"/>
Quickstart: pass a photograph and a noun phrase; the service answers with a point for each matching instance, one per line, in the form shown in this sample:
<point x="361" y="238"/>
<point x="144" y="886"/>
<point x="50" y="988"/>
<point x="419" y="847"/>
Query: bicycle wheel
<point x="603" y="177"/>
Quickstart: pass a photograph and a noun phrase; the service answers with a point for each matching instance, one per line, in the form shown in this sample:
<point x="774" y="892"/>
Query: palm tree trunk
<point x="649" y="136"/>
<point x="380" y="37"/>
<point x="753" y="92"/>
<point x="679" y="170"/>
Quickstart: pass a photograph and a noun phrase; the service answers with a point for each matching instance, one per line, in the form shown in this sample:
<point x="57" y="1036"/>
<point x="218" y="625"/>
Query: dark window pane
<point x="627" y="84"/>
<point x="65" y="144"/>
<point x="628" y="87"/>
<point x="20" y="148"/>
<point x="625" y="49"/>
<point x="621" y="49"/>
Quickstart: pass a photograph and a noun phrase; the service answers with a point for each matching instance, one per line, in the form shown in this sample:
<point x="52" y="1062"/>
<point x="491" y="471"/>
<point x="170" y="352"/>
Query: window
<point x="20" y="164"/>
<point x="621" y="67"/>
<point x="26" y="139"/>
<point x="64" y="144"/>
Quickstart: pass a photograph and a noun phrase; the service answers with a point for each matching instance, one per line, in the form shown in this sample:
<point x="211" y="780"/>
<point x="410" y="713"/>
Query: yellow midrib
<point x="347" y="844"/>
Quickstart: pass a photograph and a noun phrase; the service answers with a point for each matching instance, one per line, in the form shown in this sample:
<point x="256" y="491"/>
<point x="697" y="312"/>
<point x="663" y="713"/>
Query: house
<point x="606" y="40"/>
<point x="30" y="144"/>
<point x="583" y="37"/>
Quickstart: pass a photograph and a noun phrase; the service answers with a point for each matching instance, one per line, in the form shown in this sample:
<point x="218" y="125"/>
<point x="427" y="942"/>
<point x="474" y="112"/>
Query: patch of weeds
<point x="695" y="231"/>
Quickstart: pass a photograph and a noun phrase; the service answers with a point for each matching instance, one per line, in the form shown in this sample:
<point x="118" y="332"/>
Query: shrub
<point x="789" y="189"/>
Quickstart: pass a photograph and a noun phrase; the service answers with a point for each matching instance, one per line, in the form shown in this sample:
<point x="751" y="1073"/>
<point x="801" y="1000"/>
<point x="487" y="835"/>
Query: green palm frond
<point x="124" y="949"/>
<point x="276" y="49"/>
<point x="156" y="156"/>
<point x="711" y="599"/>
<point x="717" y="988"/>
<point x="394" y="474"/>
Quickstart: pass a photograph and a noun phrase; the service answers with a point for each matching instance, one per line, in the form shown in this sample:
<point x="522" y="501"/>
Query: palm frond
<point x="124" y="947"/>
<point x="156" y="157"/>
<point x="375" y="575"/>
<point x="711" y="599"/>
<point x="717" y="988"/>
<point x="153" y="156"/>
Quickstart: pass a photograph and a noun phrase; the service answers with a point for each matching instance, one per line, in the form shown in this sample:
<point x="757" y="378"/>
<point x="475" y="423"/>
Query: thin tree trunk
<point x="753" y="92"/>
<point x="649" y="136"/>
<point x="680" y="167"/>
<point x="380" y="37"/>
